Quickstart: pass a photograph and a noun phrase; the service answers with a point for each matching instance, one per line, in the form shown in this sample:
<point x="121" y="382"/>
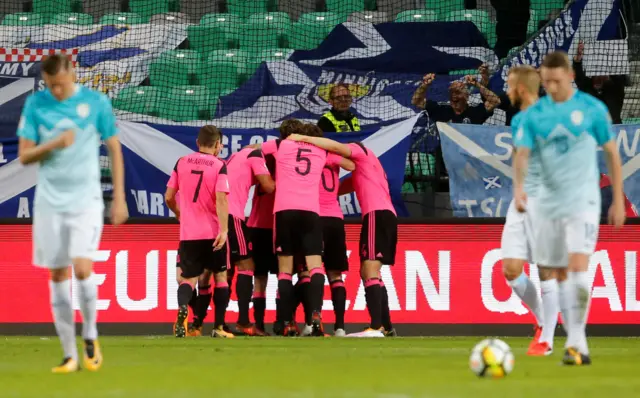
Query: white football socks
<point x="87" y="297"/>
<point x="550" y="304"/>
<point x="524" y="288"/>
<point x="579" y="311"/>
<point x="63" y="317"/>
<point x="564" y="298"/>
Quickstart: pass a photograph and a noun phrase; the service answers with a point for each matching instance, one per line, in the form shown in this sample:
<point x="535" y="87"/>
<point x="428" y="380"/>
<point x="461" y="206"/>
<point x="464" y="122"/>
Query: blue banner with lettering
<point x="151" y="151"/>
<point x="478" y="159"/>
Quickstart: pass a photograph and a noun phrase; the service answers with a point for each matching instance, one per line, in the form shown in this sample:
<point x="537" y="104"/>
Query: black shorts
<point x="198" y="255"/>
<point x="335" y="246"/>
<point x="298" y="232"/>
<point x="263" y="256"/>
<point x="379" y="237"/>
<point x="239" y="240"/>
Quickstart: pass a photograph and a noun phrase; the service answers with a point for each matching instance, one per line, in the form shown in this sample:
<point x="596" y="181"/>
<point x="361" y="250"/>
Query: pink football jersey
<point x="242" y="166"/>
<point x="298" y="173"/>
<point x="329" y="184"/>
<point x="198" y="177"/>
<point x="370" y="180"/>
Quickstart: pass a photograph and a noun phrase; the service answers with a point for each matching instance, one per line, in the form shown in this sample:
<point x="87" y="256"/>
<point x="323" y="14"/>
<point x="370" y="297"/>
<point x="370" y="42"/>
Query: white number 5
<point x="2" y="158"/>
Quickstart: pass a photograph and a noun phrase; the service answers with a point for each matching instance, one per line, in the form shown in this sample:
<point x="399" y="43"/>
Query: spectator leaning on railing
<point x="339" y="119"/>
<point x="608" y="89"/>
<point x="458" y="110"/>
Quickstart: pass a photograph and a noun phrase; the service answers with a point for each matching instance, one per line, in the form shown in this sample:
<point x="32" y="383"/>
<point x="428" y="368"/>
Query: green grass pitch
<point x="160" y="367"/>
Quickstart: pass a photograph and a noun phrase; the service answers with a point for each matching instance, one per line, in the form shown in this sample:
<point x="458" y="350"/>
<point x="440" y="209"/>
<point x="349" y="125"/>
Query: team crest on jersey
<point x="577" y="117"/>
<point x="83" y="110"/>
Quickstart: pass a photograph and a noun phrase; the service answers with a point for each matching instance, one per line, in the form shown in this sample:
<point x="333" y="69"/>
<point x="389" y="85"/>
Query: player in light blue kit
<point x="61" y="128"/>
<point x="565" y="129"/>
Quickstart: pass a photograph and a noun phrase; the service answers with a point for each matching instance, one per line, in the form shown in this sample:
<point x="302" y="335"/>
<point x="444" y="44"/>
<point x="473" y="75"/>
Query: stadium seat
<point x="345" y="6"/>
<point x="100" y="8"/>
<point x="174" y="68"/>
<point x="295" y="8"/>
<point x="255" y="37"/>
<point x="417" y="16"/>
<point x="224" y="70"/>
<point x="72" y="18"/>
<point x="220" y="18"/>
<point x="369" y="16"/>
<point x="544" y="7"/>
<point x="463" y="72"/>
<point x="49" y="8"/>
<point x="169" y="18"/>
<point x="532" y="26"/>
<point x="13" y="6"/>
<point x="269" y="55"/>
<point x="196" y="9"/>
<point x="394" y="7"/>
<point x="635" y="120"/>
<point x="265" y="23"/>
<point x="186" y="103"/>
<point x="122" y="18"/>
<point x="478" y="17"/>
<point x="23" y="19"/>
<point x="245" y="8"/>
<point x="213" y="36"/>
<point x="307" y="36"/>
<point x="138" y="99"/>
<point x="444" y="7"/>
<point x="322" y="18"/>
<point x="147" y="8"/>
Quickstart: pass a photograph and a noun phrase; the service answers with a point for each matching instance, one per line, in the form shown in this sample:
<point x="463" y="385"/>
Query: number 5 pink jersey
<point x="298" y="172"/>
<point x="198" y="177"/>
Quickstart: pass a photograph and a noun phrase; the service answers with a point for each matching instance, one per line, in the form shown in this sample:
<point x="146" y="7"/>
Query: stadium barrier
<point x="447" y="281"/>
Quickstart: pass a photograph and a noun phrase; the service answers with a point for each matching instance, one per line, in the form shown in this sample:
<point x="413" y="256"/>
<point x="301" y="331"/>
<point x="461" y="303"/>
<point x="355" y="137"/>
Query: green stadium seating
<point x="534" y="18"/>
<point x="139" y="99"/>
<point x="635" y="120"/>
<point x="147" y="8"/>
<point x="264" y="23"/>
<point x="544" y="7"/>
<point x="463" y="72"/>
<point x="322" y="18"/>
<point x="346" y="6"/>
<point x="72" y="18"/>
<point x="444" y="7"/>
<point x="255" y="37"/>
<point x="417" y="16"/>
<point x="174" y="68"/>
<point x="49" y="8"/>
<point x="245" y="8"/>
<point x="122" y="18"/>
<point x="214" y="35"/>
<point x="224" y="70"/>
<point x="479" y="17"/>
<point x="186" y="103"/>
<point x="513" y="52"/>
<point x="220" y="18"/>
<point x="311" y="29"/>
<point x="23" y="19"/>
<point x="272" y="54"/>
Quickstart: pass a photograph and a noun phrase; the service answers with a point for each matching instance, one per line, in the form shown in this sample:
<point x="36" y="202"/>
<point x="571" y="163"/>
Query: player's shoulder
<point x="254" y="153"/>
<point x="37" y="99"/>
<point x="94" y="96"/>
<point x="590" y="102"/>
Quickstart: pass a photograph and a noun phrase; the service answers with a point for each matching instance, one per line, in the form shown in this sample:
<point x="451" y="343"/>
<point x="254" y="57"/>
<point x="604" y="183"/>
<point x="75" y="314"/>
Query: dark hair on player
<point x="55" y="63"/>
<point x="556" y="59"/>
<point x="290" y="126"/>
<point x="332" y="92"/>
<point x="209" y="135"/>
<point x="311" y="130"/>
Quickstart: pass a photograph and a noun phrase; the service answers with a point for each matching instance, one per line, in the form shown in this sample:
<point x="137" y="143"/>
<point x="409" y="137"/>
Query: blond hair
<point x="528" y="76"/>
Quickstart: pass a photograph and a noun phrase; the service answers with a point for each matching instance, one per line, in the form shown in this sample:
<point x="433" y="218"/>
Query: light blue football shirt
<point x="69" y="179"/>
<point x="534" y="171"/>
<point x="567" y="136"/>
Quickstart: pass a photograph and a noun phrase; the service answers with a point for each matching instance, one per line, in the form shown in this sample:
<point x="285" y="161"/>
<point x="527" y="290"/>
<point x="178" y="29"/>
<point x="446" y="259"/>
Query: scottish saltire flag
<point x="151" y="151"/>
<point x="594" y="22"/>
<point x="478" y="159"/>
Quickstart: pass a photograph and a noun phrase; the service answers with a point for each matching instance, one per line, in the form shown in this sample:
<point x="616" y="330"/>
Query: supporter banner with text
<point x="151" y="151"/>
<point x="443" y="274"/>
<point x="478" y="160"/>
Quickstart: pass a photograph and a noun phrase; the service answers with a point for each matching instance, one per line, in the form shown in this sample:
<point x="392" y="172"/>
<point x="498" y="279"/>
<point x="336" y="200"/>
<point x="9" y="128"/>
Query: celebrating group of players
<point x="296" y="226"/>
<point x="554" y="218"/>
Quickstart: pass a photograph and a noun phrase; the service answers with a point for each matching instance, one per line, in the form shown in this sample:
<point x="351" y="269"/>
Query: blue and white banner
<point x="478" y="159"/>
<point x="151" y="151"/>
<point x="594" y="22"/>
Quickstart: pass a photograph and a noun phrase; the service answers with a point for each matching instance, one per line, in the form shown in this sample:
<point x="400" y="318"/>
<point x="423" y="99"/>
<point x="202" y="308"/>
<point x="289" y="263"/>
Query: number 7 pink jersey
<point x="198" y="177"/>
<point x="298" y="171"/>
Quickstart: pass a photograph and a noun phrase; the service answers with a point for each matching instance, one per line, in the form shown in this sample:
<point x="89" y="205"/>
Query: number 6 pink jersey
<point x="298" y="171"/>
<point x="198" y="177"/>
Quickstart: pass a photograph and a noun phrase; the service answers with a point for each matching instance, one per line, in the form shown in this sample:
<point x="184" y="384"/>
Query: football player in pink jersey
<point x="201" y="179"/>
<point x="297" y="222"/>
<point x="245" y="168"/>
<point x="379" y="233"/>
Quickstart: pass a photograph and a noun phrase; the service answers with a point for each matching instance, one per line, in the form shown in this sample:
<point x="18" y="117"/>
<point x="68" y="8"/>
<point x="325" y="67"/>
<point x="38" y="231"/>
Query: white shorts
<point x="60" y="237"/>
<point x="517" y="234"/>
<point x="556" y="239"/>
